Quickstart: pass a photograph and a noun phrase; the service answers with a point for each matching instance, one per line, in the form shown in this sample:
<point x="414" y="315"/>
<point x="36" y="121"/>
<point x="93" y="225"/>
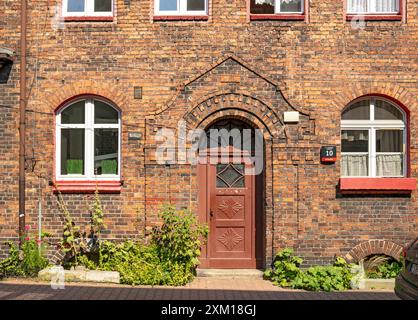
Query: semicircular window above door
<point x="229" y="133"/>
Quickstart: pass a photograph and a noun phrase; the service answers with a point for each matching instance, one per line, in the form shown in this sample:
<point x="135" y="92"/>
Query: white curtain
<point x="373" y="5"/>
<point x="386" y="5"/>
<point x="354" y="165"/>
<point x="389" y="165"/>
<point x="357" y="5"/>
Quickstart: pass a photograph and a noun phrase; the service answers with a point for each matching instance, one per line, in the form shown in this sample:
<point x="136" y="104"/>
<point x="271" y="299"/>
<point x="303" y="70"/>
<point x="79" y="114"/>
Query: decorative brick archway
<point x="370" y="247"/>
<point x="235" y="105"/>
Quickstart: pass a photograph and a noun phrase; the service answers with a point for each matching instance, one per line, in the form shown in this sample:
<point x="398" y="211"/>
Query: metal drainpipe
<point x="22" y="121"/>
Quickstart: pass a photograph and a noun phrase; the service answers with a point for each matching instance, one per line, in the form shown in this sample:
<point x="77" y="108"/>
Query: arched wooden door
<point x="227" y="204"/>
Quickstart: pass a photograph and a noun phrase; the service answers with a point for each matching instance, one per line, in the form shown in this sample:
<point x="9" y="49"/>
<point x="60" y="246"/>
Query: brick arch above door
<point x="239" y="106"/>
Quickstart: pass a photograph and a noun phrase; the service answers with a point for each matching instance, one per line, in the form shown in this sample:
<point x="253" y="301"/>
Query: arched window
<point x="373" y="139"/>
<point x="88" y="141"/>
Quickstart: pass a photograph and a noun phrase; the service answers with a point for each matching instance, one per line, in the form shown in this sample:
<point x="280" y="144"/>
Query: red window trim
<point x="92" y="19"/>
<point x="377" y="185"/>
<point x="254" y="17"/>
<point x="375" y="17"/>
<point x="181" y="18"/>
<point x="87" y="186"/>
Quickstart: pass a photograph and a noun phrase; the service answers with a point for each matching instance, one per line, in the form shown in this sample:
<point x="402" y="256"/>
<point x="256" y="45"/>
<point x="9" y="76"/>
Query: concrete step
<point x="230" y="273"/>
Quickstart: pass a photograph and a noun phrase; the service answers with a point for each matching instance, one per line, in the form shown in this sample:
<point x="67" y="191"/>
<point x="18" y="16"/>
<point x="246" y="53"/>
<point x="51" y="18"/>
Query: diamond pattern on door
<point x="230" y="207"/>
<point x="230" y="239"/>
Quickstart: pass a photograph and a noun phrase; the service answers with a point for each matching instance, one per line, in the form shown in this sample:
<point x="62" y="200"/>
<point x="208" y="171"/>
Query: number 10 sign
<point x="329" y="154"/>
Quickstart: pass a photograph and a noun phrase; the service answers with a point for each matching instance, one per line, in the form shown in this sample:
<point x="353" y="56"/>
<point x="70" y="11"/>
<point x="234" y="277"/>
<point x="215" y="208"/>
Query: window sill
<point x="374" y="17"/>
<point x="87" y="186"/>
<point x="89" y="19"/>
<point x="181" y="18"/>
<point x="255" y="17"/>
<point x="377" y="185"/>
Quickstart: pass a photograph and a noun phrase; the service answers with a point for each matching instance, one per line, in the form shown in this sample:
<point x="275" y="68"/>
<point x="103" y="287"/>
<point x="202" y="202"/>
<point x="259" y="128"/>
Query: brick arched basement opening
<point x="370" y="247"/>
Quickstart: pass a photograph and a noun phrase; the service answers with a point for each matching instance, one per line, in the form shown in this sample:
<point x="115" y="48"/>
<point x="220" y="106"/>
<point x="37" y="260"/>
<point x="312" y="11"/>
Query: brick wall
<point x="316" y="68"/>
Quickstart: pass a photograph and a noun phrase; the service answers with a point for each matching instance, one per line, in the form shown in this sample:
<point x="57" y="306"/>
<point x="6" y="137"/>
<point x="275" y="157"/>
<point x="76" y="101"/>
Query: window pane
<point x="103" y="113"/>
<point x="355" y="141"/>
<point x="357" y="111"/>
<point x="75" y="6"/>
<point x="389" y="141"/>
<point x="106" y="145"/>
<point x="74" y="114"/>
<point x="196" y="5"/>
<point x="385" y="111"/>
<point x="168" y="5"/>
<point x="357" y="6"/>
<point x="355" y="165"/>
<point x="262" y="6"/>
<point x="387" y="5"/>
<point x="290" y="5"/>
<point x="72" y="151"/>
<point x="230" y="176"/>
<point x="103" y="5"/>
<point x="389" y="165"/>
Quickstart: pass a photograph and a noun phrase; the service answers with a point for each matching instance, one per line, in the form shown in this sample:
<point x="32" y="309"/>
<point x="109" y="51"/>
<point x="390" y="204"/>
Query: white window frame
<point x="277" y="9"/>
<point x="371" y="4"/>
<point x="88" y="10"/>
<point x="181" y="9"/>
<point x="372" y="126"/>
<point x="88" y="127"/>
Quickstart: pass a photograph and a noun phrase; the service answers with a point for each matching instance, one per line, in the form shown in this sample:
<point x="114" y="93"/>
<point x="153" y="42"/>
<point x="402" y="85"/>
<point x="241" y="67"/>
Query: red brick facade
<point x="227" y="66"/>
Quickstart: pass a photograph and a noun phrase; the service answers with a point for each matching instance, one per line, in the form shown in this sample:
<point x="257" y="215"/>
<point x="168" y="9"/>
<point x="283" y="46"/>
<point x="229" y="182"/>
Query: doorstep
<point x="229" y="273"/>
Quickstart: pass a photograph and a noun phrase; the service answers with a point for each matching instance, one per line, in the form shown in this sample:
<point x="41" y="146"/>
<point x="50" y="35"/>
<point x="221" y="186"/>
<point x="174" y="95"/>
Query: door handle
<point x="211" y="213"/>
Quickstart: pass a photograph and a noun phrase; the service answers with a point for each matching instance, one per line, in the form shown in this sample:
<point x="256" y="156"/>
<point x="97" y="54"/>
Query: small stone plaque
<point x="134" y="136"/>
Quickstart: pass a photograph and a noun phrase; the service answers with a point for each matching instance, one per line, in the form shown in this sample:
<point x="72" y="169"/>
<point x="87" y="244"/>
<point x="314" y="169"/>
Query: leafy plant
<point x="11" y="266"/>
<point x="286" y="273"/>
<point x="178" y="240"/>
<point x="326" y="278"/>
<point x="136" y="263"/>
<point x="72" y="243"/>
<point x="382" y="266"/>
<point x="170" y="258"/>
<point x="25" y="263"/>
<point x="75" y="243"/>
<point x="285" y="268"/>
<point x="33" y="258"/>
<point x="374" y="261"/>
<point x="97" y="215"/>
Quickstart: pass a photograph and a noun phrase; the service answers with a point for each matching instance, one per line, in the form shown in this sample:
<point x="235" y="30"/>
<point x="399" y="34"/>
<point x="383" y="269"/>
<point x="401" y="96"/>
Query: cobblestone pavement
<point x="199" y="289"/>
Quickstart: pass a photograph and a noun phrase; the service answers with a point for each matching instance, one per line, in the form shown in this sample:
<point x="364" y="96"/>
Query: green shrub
<point x="326" y="278"/>
<point x="286" y="273"/>
<point x="136" y="263"/>
<point x="26" y="263"/>
<point x="33" y="258"/>
<point x="178" y="240"/>
<point x="170" y="258"/>
<point x="285" y="268"/>
<point x="11" y="266"/>
<point x="386" y="270"/>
